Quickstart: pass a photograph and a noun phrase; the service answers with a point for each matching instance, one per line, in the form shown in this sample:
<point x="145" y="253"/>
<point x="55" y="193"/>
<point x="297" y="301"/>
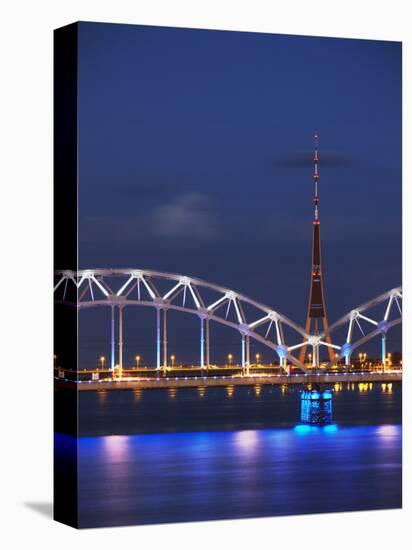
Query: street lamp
<point x="102" y="360"/>
<point x="230" y="357"/>
<point x="257" y="359"/>
<point x="172" y="357"/>
<point x="310" y="358"/>
<point x="137" y="361"/>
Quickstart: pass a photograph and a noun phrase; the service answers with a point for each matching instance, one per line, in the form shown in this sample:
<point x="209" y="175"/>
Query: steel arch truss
<point x="135" y="287"/>
<point x="361" y="324"/>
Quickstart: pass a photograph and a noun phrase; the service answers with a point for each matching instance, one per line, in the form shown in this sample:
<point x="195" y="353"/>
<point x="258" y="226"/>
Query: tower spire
<point x="316" y="175"/>
<point x="316" y="312"/>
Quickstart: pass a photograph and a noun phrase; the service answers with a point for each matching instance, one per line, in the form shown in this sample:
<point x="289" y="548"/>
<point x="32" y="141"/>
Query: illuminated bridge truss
<point x="364" y="323"/>
<point x="119" y="288"/>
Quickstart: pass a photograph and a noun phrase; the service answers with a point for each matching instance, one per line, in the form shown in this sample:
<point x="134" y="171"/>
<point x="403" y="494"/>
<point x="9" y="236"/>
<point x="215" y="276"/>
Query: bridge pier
<point x="243" y="353"/>
<point x="120" y="338"/>
<point x="282" y="352"/>
<point x="247" y="354"/>
<point x="383" y="351"/>
<point x="315" y="356"/>
<point x="207" y="344"/>
<point x="112" y="342"/>
<point x="316" y="406"/>
<point x="202" y="342"/>
<point x="165" y="338"/>
<point x="346" y="351"/>
<point x="158" y="338"/>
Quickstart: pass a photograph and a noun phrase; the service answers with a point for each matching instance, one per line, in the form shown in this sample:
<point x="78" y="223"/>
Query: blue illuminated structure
<point x="316" y="406"/>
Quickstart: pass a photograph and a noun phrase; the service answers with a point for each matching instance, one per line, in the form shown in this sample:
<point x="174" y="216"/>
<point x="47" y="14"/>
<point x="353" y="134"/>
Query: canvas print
<point x="227" y="291"/>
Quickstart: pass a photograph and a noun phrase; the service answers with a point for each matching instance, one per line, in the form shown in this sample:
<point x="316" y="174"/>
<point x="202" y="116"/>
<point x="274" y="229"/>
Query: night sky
<point x="195" y="157"/>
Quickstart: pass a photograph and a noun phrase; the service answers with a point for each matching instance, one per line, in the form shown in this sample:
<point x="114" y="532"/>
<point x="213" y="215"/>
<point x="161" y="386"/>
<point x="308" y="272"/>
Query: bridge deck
<point x="194" y="382"/>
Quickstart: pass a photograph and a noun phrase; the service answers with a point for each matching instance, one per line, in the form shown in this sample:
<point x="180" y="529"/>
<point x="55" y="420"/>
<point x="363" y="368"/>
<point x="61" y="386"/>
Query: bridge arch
<point x="362" y="319"/>
<point x="138" y="287"/>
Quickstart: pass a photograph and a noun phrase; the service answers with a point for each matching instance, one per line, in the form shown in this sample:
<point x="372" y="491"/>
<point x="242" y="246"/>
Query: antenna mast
<point x="316" y="176"/>
<point x="316" y="312"/>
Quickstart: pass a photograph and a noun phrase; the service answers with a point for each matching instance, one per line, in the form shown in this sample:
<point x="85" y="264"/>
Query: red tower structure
<point x="316" y="317"/>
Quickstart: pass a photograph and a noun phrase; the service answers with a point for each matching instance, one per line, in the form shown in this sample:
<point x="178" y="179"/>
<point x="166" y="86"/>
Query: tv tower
<point x="316" y="312"/>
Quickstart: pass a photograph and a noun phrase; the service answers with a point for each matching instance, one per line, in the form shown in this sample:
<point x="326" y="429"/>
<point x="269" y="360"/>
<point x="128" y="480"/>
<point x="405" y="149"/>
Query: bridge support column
<point x="383" y="351"/>
<point x="346" y="351"/>
<point x="158" y="338"/>
<point x="243" y="353"/>
<point x="112" y="345"/>
<point x="120" y="338"/>
<point x="202" y="342"/>
<point x="248" y="355"/>
<point x="207" y="344"/>
<point x="315" y="356"/>
<point x="165" y="339"/>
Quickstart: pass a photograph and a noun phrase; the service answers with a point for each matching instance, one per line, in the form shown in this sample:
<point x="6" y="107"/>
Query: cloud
<point x="187" y="216"/>
<point x="148" y="190"/>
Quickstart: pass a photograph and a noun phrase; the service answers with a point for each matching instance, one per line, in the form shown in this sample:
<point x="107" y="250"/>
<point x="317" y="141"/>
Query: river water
<point x="157" y="456"/>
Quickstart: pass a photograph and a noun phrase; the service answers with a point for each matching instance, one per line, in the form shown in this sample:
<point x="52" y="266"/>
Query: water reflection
<point x="307" y="428"/>
<point x="284" y="389"/>
<point x="102" y="395"/>
<point x="116" y="448"/>
<point x="245" y="473"/>
<point x="247" y="440"/>
<point x="138" y="392"/>
<point x="389" y="430"/>
<point x="363" y="387"/>
<point x="230" y="390"/>
<point x="172" y="392"/>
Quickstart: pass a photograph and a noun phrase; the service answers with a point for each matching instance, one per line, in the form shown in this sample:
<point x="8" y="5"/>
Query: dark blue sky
<point x="196" y="157"/>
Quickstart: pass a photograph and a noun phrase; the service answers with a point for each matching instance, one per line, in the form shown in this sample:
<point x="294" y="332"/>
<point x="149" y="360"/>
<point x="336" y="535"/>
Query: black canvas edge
<point x="65" y="322"/>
